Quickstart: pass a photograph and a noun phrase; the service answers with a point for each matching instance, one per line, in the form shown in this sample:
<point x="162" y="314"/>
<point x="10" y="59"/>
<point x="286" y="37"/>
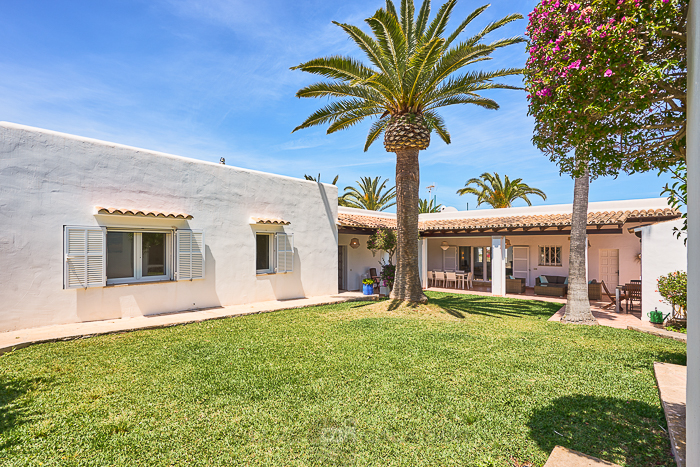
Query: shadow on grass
<point x="495" y="307"/>
<point x="609" y="428"/>
<point x="14" y="411"/>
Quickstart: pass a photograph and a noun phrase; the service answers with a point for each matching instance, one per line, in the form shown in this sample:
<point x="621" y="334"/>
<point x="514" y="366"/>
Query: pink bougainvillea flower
<point x="608" y="73"/>
<point x="572" y="7"/>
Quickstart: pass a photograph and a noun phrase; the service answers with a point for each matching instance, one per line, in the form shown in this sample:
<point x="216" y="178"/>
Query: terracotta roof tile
<point x="366" y="222"/>
<point x="269" y="220"/>
<point x="486" y="223"/>
<point x="140" y="213"/>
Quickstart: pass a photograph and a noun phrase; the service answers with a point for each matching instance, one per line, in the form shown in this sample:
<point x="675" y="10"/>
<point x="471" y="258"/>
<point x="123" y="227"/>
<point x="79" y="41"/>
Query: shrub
<point x="387" y="275"/>
<point x="673" y="287"/>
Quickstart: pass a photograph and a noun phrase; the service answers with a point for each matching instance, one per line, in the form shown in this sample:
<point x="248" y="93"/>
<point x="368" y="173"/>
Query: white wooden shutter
<point x="285" y="252"/>
<point x="85" y="255"/>
<point x="189" y="254"/>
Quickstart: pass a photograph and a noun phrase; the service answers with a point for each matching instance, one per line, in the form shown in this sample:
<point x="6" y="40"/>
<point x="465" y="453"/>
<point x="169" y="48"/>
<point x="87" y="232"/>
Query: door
<point x="449" y="259"/>
<point x="521" y="263"/>
<point x="609" y="267"/>
<point x="341" y="266"/>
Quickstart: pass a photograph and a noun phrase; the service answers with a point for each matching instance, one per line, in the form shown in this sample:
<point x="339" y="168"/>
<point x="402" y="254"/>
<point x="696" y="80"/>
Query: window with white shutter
<point x="85" y="257"/>
<point x="285" y="252"/>
<point x="189" y="254"/>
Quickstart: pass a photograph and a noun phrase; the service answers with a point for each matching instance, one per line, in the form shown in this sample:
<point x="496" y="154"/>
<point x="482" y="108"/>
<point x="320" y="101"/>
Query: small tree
<point x="385" y="240"/>
<point x="673" y="287"/>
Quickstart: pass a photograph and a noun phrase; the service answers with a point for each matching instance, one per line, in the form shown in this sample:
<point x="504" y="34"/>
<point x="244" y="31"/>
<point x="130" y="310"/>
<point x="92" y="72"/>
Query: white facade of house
<point x="50" y="181"/>
<point x="662" y="253"/>
<point x="614" y="256"/>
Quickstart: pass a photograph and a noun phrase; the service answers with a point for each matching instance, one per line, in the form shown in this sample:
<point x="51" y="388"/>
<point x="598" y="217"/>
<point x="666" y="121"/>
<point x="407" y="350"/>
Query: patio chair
<point x="613" y="301"/>
<point x="634" y="293"/>
<point x="374" y="276"/>
<point x="439" y="277"/>
<point x="470" y="280"/>
<point x="450" y="276"/>
<point x="431" y="278"/>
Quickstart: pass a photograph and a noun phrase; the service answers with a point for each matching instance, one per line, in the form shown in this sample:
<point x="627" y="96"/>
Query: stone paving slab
<point x="609" y="318"/>
<point x="671" y="380"/>
<point x="564" y="457"/>
<point x="679" y="336"/>
<point x="23" y="338"/>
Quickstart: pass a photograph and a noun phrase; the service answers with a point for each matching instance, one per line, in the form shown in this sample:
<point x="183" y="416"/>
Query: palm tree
<point x="311" y="178"/>
<point x="412" y="71"/>
<point x="425" y="207"/>
<point x="490" y="189"/>
<point x="370" y="194"/>
<point x="318" y="179"/>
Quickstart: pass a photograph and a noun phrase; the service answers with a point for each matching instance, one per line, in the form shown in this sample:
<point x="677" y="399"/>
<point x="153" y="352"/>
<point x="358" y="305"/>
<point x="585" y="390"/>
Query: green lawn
<point x="468" y="381"/>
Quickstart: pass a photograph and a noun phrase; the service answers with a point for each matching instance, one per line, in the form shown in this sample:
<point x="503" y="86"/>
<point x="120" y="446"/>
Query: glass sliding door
<point x="465" y="254"/>
<point x="481" y="256"/>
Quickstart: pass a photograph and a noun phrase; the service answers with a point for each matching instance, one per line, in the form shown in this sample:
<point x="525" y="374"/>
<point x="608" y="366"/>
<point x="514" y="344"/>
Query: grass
<point x="466" y="380"/>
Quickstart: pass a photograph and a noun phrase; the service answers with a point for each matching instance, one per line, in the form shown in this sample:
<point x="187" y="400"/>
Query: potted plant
<point x="367" y="286"/>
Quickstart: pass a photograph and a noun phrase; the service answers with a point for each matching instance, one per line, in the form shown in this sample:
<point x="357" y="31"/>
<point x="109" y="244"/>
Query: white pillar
<point x="498" y="266"/>
<point x="587" y="263"/>
<point x="693" y="158"/>
<point x="423" y="263"/>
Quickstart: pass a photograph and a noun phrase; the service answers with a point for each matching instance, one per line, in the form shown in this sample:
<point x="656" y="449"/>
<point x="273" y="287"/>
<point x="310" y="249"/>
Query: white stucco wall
<point x="662" y="253"/>
<point x="49" y="180"/>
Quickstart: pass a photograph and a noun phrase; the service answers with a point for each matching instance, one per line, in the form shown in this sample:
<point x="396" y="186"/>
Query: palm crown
<point x="490" y="189"/>
<point x="370" y="194"/>
<point x="412" y="72"/>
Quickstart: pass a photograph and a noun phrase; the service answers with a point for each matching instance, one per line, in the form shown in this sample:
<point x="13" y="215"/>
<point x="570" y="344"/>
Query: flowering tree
<point x="385" y="240"/>
<point x="673" y="287"/>
<point x="607" y="83"/>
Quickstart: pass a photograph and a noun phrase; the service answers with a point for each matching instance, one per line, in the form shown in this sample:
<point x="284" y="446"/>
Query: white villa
<point x="93" y="230"/>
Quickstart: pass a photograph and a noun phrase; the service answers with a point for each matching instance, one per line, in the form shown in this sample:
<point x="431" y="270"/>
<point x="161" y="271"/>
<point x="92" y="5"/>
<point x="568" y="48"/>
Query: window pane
<point x="262" y="256"/>
<point x="153" y="254"/>
<point x="120" y="255"/>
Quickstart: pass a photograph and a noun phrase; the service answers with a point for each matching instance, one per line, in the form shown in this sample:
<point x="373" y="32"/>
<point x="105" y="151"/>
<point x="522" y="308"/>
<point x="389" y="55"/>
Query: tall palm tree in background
<point x="412" y="71"/>
<point x="490" y="189"/>
<point x="341" y="201"/>
<point x="426" y="207"/>
<point x="370" y="194"/>
<point x="318" y="179"/>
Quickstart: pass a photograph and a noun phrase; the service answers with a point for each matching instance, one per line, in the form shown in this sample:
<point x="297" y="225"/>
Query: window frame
<point x="138" y="277"/>
<point x="545" y="253"/>
<point x="270" y="253"/>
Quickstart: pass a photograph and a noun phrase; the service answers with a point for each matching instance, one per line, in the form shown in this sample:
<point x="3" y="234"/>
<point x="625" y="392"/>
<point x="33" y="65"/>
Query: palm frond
<point x="341" y="89"/>
<point x="334" y="111"/>
<point x="493" y="26"/>
<point x="376" y="131"/>
<point x="439" y="23"/>
<point x="337" y="67"/>
<point x="422" y="20"/>
<point x="352" y="118"/>
<point x="464" y="24"/>
<point x="408" y="11"/>
<point x="437" y="123"/>
<point x="462" y="99"/>
<point x="390" y="38"/>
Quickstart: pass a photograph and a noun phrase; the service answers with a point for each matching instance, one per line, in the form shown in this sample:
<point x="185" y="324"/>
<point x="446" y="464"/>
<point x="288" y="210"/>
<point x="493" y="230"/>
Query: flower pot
<point x="367" y="289"/>
<point x="384" y="291"/>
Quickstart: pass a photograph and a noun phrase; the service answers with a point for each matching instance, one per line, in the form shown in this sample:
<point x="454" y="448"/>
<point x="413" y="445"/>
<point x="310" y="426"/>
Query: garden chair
<point x="470" y="280"/>
<point x="450" y="276"/>
<point x="431" y="278"/>
<point x="374" y="276"/>
<point x="613" y="301"/>
<point x="634" y="293"/>
<point x="439" y="277"/>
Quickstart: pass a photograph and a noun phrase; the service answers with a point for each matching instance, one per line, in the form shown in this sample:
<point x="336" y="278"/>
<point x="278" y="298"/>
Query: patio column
<point x="424" y="262"/>
<point x="693" y="159"/>
<point x="498" y="266"/>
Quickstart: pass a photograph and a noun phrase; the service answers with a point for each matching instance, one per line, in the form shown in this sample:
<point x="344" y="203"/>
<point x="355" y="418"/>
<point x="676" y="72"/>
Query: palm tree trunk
<point x="407" y="286"/>
<point x="578" y="308"/>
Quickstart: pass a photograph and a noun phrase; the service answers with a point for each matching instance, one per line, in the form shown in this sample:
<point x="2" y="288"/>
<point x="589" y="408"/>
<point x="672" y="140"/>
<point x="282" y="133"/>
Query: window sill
<point x="125" y="284"/>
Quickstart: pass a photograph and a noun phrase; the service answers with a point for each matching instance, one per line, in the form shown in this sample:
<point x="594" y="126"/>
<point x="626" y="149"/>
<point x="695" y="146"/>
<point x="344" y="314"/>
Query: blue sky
<point x="210" y="78"/>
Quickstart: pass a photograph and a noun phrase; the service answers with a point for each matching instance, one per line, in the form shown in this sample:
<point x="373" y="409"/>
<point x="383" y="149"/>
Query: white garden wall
<point x="662" y="253"/>
<point x="49" y="180"/>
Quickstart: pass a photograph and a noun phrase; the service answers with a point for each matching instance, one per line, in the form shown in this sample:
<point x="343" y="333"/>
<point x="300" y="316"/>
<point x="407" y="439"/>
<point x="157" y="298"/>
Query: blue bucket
<point x="367" y="289"/>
